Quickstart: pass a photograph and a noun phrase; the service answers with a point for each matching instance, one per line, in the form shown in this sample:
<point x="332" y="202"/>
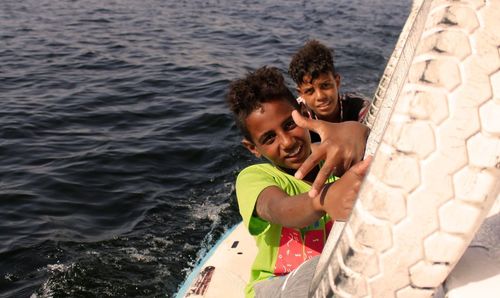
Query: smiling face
<point x="275" y="135"/>
<point x="322" y="95"/>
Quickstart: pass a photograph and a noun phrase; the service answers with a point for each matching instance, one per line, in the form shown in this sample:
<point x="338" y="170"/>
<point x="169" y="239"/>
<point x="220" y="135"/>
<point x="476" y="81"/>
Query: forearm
<point x="336" y="203"/>
<point x="290" y="211"/>
<point x="338" y="198"/>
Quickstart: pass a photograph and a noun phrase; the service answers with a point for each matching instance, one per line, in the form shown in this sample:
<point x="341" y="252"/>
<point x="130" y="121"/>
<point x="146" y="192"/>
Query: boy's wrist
<point x="321" y="197"/>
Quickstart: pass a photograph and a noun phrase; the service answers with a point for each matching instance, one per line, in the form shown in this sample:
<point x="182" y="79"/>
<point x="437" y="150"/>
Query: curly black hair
<point x="312" y="59"/>
<point x="245" y="95"/>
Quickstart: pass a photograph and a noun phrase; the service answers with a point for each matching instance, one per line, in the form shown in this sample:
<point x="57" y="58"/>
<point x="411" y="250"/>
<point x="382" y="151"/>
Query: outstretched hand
<point x="338" y="198"/>
<point x="342" y="145"/>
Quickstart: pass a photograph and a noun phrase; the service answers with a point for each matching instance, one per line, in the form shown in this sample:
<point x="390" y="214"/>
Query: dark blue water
<point x="118" y="155"/>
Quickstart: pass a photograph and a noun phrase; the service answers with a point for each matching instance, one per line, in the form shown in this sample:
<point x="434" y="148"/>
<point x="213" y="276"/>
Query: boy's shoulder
<point x="354" y="96"/>
<point x="262" y="165"/>
<point x="354" y="106"/>
<point x="265" y="174"/>
<point x="259" y="168"/>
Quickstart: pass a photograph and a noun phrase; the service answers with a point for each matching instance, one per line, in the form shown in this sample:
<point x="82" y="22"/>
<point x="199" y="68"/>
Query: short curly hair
<point x="245" y="95"/>
<point x="312" y="59"/>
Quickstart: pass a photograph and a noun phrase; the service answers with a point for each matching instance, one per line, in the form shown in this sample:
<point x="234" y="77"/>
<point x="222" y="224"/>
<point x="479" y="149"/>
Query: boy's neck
<point x="335" y="117"/>
<point x="309" y="177"/>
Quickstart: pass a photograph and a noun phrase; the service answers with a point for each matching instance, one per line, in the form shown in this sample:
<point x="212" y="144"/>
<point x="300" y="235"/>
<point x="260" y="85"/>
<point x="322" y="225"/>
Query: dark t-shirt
<point x="353" y="107"/>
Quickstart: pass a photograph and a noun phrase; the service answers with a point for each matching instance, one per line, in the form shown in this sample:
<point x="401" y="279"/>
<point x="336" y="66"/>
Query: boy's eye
<point x="309" y="91"/>
<point x="326" y="85"/>
<point x="267" y="139"/>
<point x="290" y="124"/>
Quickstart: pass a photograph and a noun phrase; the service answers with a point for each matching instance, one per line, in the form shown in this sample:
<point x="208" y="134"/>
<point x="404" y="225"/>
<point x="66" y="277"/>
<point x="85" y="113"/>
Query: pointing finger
<point x="323" y="175"/>
<point x="311" y="161"/>
<point x="306" y="123"/>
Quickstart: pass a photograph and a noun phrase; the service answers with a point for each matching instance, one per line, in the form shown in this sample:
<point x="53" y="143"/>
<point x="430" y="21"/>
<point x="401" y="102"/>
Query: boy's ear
<point x="251" y="147"/>
<point x="337" y="80"/>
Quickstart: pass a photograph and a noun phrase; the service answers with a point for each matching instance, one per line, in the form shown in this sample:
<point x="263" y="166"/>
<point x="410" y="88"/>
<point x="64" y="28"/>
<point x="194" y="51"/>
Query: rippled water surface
<point x="118" y="152"/>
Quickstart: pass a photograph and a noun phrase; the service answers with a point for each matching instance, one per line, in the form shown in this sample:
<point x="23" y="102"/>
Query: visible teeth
<point x="295" y="152"/>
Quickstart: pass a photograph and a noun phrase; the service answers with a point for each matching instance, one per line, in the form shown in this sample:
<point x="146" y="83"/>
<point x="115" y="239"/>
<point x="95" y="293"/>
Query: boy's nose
<point x="318" y="94"/>
<point x="287" y="141"/>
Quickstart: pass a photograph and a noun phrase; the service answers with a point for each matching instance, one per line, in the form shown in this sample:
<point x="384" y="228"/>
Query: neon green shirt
<point x="280" y="249"/>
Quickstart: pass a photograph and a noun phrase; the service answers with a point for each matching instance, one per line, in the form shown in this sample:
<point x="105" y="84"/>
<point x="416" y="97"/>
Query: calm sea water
<point x="118" y="152"/>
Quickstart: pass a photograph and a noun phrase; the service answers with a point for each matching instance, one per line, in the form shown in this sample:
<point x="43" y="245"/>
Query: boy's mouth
<point x="295" y="153"/>
<point x="323" y="105"/>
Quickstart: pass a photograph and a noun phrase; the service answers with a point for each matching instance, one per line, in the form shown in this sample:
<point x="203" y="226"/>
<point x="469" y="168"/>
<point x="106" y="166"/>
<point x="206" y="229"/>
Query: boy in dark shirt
<point x="318" y="84"/>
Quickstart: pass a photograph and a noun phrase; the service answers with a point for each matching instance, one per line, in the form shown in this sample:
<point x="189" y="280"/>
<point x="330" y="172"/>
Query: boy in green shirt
<point x="289" y="221"/>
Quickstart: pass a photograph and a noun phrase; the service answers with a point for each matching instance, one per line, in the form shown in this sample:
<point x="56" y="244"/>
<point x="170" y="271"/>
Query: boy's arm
<point x="342" y="145"/>
<point x="276" y="206"/>
<point x="336" y="199"/>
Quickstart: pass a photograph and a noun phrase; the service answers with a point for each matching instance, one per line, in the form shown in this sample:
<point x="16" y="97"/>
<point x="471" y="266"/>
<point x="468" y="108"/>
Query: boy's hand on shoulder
<point x="338" y="198"/>
<point x="342" y="145"/>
